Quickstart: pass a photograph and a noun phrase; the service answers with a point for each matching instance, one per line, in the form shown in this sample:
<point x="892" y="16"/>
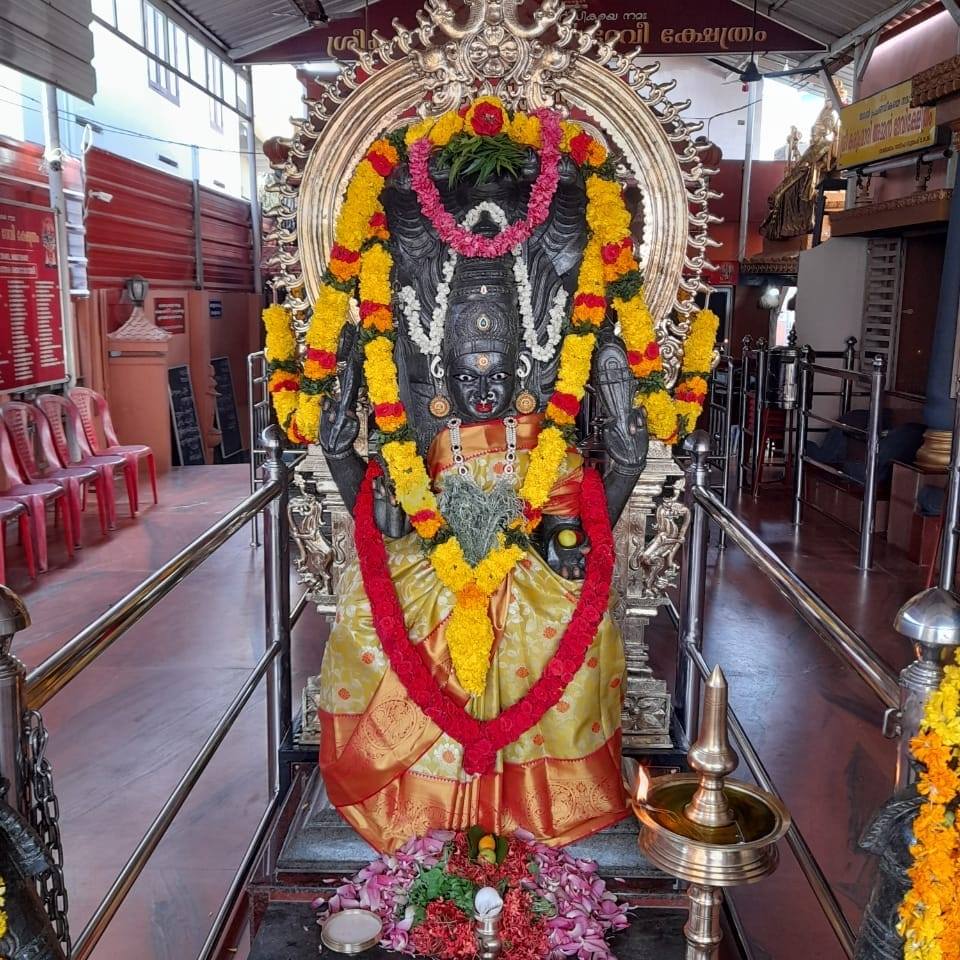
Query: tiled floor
<point x="123" y="733"/>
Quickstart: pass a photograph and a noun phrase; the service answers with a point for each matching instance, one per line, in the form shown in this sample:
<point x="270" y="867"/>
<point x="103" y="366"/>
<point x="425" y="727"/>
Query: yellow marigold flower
<point x="451" y="565"/>
<point x="544" y="466"/>
<point x="525" y="130"/>
<point x="493" y="569"/>
<point x="307" y="417"/>
<point x="446" y="128"/>
<point x="700" y="342"/>
<point x="329" y="315"/>
<point x="469" y="637"/>
<point x="281" y="344"/>
<point x="607" y="215"/>
<point x="661" y="414"/>
<point x="570" y="131"/>
<point x="417" y="131"/>
<point x="375" y="266"/>
<point x="636" y="323"/>
<point x="576" y="355"/>
<point x="381" y="371"/>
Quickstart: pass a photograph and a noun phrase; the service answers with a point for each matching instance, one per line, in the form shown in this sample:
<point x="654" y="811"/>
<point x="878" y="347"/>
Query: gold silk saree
<point x="392" y="773"/>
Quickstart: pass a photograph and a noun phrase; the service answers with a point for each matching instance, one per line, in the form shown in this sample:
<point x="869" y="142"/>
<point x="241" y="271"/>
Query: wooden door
<point x="922" y="267"/>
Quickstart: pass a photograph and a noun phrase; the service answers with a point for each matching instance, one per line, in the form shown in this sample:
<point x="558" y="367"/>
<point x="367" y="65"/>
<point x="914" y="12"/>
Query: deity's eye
<point x="499" y="377"/>
<point x="465" y="378"/>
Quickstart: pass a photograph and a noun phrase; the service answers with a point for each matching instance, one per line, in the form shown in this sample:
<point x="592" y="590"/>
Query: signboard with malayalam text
<point x="170" y="314"/>
<point x="884" y="125"/>
<point x="31" y="324"/>
<point x="658" y="26"/>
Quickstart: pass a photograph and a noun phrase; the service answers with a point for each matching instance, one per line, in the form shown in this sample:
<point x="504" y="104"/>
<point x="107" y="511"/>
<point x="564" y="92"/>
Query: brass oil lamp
<point x="706" y="829"/>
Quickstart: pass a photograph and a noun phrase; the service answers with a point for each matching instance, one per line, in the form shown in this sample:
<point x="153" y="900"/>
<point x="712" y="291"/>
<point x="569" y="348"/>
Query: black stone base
<point x="289" y="932"/>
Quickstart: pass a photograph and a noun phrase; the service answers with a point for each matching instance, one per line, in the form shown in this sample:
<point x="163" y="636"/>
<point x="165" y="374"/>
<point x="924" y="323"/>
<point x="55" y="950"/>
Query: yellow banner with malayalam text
<point x="884" y="125"/>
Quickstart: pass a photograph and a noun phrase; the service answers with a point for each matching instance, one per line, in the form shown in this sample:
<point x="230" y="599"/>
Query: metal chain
<point x="45" y="818"/>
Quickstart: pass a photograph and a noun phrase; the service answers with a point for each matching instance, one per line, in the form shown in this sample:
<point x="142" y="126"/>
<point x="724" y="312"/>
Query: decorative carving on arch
<point x="529" y="61"/>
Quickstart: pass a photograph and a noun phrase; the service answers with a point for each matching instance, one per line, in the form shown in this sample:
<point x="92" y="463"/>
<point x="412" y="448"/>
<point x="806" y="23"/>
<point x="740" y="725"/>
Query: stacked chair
<point x="52" y="456"/>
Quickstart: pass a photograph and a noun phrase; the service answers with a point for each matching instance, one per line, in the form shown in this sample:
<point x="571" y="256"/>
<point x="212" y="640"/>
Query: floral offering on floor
<point x="553" y="905"/>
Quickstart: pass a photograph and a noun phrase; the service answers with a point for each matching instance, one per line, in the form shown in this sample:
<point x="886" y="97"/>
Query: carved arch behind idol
<point x="429" y="69"/>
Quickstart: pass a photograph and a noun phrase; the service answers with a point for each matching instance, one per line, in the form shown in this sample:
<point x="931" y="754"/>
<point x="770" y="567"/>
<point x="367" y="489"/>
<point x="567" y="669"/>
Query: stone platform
<point x="320" y="843"/>
<point x="289" y="932"/>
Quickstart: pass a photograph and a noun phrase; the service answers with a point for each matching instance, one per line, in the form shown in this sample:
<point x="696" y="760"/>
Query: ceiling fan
<point x="751" y="73"/>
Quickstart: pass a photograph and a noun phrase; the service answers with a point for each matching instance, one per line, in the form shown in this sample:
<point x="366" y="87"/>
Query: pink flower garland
<point x="467" y="243"/>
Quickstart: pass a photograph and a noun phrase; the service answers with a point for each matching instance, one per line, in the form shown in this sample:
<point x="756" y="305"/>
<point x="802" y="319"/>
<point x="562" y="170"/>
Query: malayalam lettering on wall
<point x="658" y="26"/>
<point x="31" y="325"/>
<point x="884" y="125"/>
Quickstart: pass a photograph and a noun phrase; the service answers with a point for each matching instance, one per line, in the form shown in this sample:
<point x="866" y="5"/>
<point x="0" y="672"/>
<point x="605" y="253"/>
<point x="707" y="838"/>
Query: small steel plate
<point x="351" y="931"/>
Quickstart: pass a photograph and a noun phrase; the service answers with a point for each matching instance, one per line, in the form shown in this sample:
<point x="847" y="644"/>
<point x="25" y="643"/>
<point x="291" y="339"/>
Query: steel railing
<point x="22" y="695"/>
<point x="722" y="394"/>
<point x="875" y="382"/>
<point x="898" y="694"/>
<point x="258" y="391"/>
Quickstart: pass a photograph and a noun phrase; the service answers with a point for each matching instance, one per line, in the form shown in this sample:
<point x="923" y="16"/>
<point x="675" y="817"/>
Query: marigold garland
<point x="930" y="912"/>
<point x="482" y="740"/>
<point x="360" y="266"/>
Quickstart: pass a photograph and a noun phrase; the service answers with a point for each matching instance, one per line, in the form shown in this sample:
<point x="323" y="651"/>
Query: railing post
<point x="806" y="398"/>
<point x="868" y="512"/>
<point x="931" y="620"/>
<point x="13" y="619"/>
<point x="744" y="383"/>
<point x="727" y="427"/>
<point x="693" y="584"/>
<point x="849" y="363"/>
<point x="276" y="593"/>
<point x="760" y="403"/>
<point x="950" y="536"/>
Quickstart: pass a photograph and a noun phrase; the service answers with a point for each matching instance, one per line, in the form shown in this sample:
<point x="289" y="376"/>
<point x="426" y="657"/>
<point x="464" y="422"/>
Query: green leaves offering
<point x="482" y="157"/>
<point x="437" y="884"/>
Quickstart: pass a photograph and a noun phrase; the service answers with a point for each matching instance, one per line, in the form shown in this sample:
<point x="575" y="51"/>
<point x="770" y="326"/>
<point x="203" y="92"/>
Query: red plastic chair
<point x="12" y="510"/>
<point x="35" y="497"/>
<point x="71" y="445"/>
<point x="93" y="405"/>
<point x="30" y="432"/>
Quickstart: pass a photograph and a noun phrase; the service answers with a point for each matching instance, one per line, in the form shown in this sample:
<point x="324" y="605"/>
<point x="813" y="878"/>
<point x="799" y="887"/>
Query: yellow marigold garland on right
<point x="930" y="912"/>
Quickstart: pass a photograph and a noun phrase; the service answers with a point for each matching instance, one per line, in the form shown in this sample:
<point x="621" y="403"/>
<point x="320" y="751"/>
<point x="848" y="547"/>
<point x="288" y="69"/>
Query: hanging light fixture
<point x="137" y="288"/>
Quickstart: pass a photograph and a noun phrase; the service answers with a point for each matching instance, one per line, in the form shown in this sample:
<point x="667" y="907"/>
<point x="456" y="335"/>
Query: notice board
<point x="31" y="324"/>
<point x="187" y="439"/>
<point x="228" y="420"/>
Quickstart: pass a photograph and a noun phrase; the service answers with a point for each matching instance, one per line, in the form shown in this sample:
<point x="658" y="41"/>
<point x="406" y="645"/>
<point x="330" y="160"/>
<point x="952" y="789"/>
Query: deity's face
<point x="481" y="385"/>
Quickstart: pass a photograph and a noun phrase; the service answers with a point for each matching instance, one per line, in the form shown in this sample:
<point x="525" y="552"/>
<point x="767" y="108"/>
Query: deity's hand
<point x="625" y="438"/>
<point x="391" y="519"/>
<point x="339" y="425"/>
<point x="564" y="545"/>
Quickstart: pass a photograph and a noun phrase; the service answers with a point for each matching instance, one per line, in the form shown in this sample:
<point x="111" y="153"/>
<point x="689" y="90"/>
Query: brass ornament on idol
<point x="525" y="402"/>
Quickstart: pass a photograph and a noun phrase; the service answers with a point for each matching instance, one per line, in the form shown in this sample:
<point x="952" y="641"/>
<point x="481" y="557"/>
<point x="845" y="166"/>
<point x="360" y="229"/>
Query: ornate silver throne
<point x="543" y="60"/>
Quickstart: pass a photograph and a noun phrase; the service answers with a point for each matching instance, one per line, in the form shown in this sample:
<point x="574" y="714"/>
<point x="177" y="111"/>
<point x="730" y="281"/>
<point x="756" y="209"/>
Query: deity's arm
<point x="625" y="437"/>
<point x="340" y="425"/>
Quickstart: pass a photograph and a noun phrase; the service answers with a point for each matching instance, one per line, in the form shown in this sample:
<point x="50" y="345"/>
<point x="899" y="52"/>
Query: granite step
<point x="321" y="845"/>
<point x="289" y="932"/>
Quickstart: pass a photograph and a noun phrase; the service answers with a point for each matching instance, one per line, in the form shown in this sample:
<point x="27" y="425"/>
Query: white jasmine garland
<point x="430" y="340"/>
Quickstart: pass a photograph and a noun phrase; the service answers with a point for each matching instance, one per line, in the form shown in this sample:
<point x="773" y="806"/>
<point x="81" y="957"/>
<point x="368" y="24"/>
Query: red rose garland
<point x="482" y="739"/>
